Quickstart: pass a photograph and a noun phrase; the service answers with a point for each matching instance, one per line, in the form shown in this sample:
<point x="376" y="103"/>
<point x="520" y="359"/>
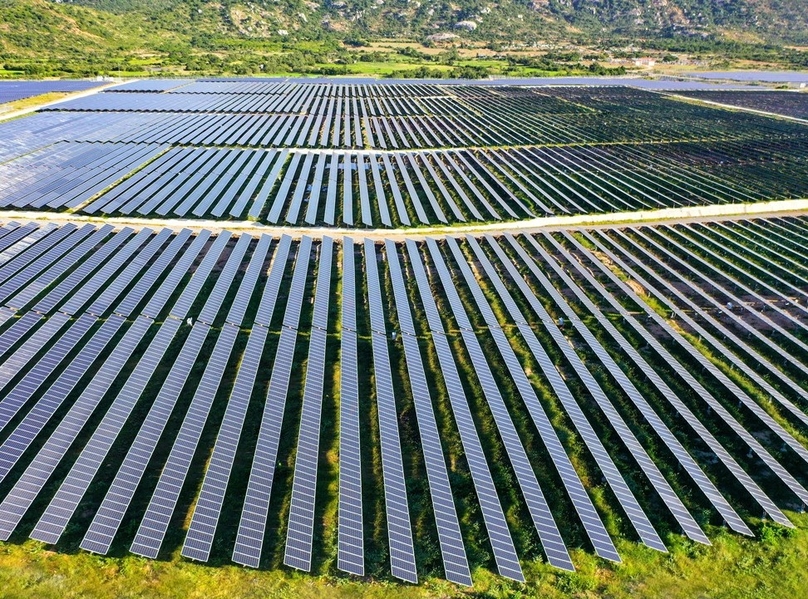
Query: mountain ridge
<point x="768" y="20"/>
<point x="387" y="37"/>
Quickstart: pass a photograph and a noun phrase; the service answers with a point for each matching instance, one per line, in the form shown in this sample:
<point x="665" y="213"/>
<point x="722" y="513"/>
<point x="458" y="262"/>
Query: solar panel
<point x="743" y="258"/>
<point x="297" y="198"/>
<point x="268" y="184"/>
<point x="57" y="293"/>
<point x="252" y="173"/>
<point x="53" y="521"/>
<point x="364" y="197"/>
<point x="6" y="314"/>
<point x="152" y="529"/>
<point x="685" y="374"/>
<point x="282" y="196"/>
<point x="680" y="407"/>
<point x="166" y="188"/>
<point x="170" y="196"/>
<point x="135" y="296"/>
<point x="398" y="200"/>
<point x="351" y="550"/>
<point x="433" y="202"/>
<point x="765" y="242"/>
<point x="35" y="269"/>
<point x="14" y="399"/>
<point x="669" y="497"/>
<point x="12" y="233"/>
<point x="159" y="298"/>
<point x="226" y="184"/>
<point x="18" y="330"/>
<point x="381" y="199"/>
<point x="25" y="491"/>
<point x="727" y="332"/>
<point x="64" y="503"/>
<point x="199" y="540"/>
<point x="347" y="189"/>
<point x="543" y="520"/>
<point x="416" y="201"/>
<point x="35" y="420"/>
<point x="493" y="516"/>
<point x="136" y="184"/>
<point x="213" y="303"/>
<point x="32" y="345"/>
<point x="189" y="295"/>
<point x="331" y="191"/>
<point x="123" y="280"/>
<point x="640" y="521"/>
<point x="90" y="287"/>
<point x="737" y="392"/>
<point x="316" y="189"/>
<point x="455" y="562"/>
<point x="238" y="308"/>
<point x="300" y="531"/>
<point x="108" y="519"/>
<point x="35" y="286"/>
<point x="505" y="205"/>
<point x="438" y="158"/>
<point x="402" y="555"/>
<point x="250" y="537"/>
<point x="34" y="245"/>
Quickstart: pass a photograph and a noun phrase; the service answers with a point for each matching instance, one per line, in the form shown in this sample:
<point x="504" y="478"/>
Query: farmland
<point x="514" y="410"/>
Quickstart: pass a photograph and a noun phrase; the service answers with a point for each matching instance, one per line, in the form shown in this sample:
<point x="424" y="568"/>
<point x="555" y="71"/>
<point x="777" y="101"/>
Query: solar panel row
<point x="493" y="516"/>
<point x="199" y="540"/>
<point x="700" y="390"/>
<point x="455" y="561"/>
<point x="300" y="533"/>
<point x="402" y="552"/>
<point x="351" y="546"/>
<point x="459" y="182"/>
<point x="252" y="526"/>
<point x="113" y="508"/>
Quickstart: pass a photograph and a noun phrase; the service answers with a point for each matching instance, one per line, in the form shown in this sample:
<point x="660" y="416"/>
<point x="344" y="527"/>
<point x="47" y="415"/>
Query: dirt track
<point x="668" y="215"/>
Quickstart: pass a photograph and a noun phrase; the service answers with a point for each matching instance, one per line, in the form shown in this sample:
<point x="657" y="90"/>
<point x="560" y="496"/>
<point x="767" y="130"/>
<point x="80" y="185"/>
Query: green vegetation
<point x="41" y="38"/>
<point x="770" y="567"/>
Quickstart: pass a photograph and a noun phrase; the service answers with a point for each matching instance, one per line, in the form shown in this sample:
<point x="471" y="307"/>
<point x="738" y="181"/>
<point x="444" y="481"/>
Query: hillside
<point x="505" y="20"/>
<point x="140" y="37"/>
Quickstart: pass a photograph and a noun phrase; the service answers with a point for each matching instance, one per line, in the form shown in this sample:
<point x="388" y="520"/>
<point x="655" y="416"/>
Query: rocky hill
<point x="771" y="20"/>
<point x="136" y="37"/>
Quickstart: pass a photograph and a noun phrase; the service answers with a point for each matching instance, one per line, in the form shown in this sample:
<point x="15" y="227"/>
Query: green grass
<point x="770" y="567"/>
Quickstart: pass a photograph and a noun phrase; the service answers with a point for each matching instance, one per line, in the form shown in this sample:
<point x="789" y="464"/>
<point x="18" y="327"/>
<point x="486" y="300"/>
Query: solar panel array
<point x="383" y="156"/>
<point x="460" y="363"/>
<point x="11" y="91"/>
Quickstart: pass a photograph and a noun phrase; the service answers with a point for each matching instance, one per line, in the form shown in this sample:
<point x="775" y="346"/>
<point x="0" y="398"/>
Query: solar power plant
<point x="385" y="156"/>
<point x="56" y="350"/>
<point x="403" y="331"/>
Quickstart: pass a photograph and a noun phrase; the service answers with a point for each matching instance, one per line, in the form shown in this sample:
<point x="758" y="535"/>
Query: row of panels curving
<point x="397" y="189"/>
<point x="401" y="409"/>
